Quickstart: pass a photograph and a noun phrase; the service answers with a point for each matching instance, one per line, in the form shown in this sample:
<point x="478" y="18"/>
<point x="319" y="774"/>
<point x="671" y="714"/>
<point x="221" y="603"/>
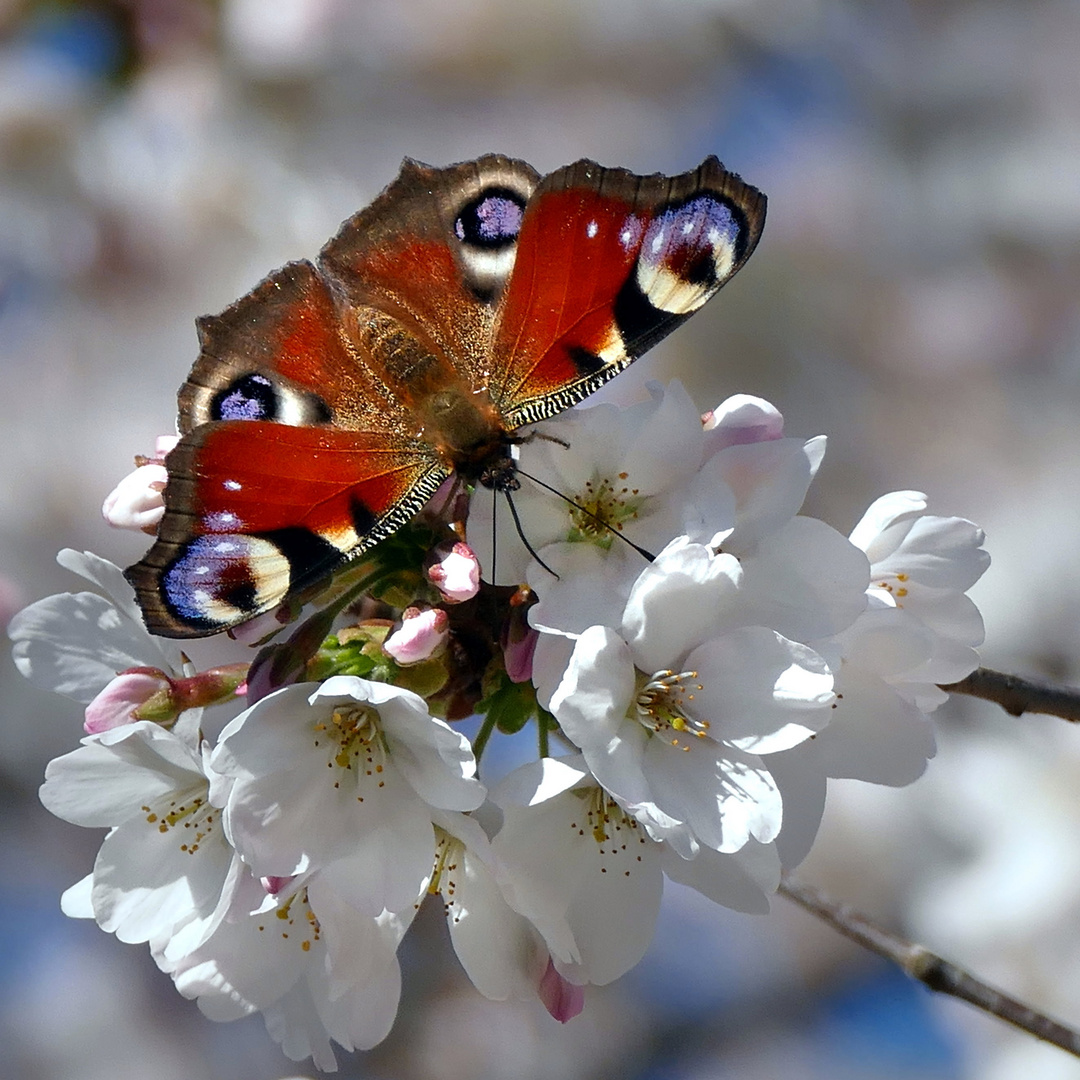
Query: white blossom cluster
<point x="709" y="658"/>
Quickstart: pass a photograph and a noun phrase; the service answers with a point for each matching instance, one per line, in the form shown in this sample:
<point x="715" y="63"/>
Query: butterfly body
<point x="329" y="403"/>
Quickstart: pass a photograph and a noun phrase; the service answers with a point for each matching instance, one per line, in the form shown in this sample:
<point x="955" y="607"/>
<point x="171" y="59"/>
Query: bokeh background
<point x="916" y="297"/>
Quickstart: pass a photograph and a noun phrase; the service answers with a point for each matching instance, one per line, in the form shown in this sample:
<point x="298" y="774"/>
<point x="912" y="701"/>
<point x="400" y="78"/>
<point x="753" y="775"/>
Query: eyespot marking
<point x="492" y="220"/>
<point x="219" y="579"/>
<point x="250" y="397"/>
<point x="689" y="250"/>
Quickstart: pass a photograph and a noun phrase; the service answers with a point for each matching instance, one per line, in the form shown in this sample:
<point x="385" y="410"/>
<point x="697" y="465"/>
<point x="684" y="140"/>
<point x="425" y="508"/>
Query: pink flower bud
<point x="421" y="634"/>
<point x="743" y="419"/>
<point x="562" y="999"/>
<point x="457" y="575"/>
<point x="518" y="655"/>
<point x="136" y="502"/>
<point x="116" y="704"/>
<point x="274" y="885"/>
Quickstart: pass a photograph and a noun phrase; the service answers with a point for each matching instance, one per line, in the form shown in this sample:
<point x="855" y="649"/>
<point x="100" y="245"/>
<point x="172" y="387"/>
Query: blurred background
<point x="915" y="297"/>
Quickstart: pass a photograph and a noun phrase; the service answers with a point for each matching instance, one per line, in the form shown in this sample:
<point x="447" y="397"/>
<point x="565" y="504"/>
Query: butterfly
<point x="328" y="404"/>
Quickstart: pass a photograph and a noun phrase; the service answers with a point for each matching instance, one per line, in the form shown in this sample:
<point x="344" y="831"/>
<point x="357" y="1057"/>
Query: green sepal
<point x="509" y="704"/>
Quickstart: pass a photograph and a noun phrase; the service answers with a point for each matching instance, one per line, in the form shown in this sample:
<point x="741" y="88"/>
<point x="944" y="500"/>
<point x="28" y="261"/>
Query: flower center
<point x="192" y="815"/>
<point x="662" y="707"/>
<point x="605" y="505"/>
<point x="616" y="833"/>
<point x="299" y="925"/>
<point x="895" y="585"/>
<point x="356" y="731"/>
<point x="449" y="859"/>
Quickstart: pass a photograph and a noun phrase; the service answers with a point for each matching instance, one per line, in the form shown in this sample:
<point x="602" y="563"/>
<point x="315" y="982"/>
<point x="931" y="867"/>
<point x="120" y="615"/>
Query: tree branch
<point x="1017" y="696"/>
<point x="930" y="969"/>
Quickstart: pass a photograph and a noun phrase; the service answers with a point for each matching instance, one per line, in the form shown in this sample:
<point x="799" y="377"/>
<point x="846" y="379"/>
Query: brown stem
<point x="930" y="969"/>
<point x="1017" y="696"/>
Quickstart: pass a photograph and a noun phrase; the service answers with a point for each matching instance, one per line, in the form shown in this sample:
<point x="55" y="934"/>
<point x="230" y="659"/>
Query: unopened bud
<point x="117" y="703"/>
<point x="421" y="634"/>
<point x="457" y="574"/>
<point x="563" y="999"/>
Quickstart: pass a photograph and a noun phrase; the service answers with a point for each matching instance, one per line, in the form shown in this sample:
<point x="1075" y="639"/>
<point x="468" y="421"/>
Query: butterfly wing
<point x="328" y="404"/>
<point x="294" y="457"/>
<point x="607" y="264"/>
<point x="433" y="254"/>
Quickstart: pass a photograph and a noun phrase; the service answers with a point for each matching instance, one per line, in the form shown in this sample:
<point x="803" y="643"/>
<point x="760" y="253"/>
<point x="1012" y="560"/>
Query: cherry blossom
<point x="350" y="768"/>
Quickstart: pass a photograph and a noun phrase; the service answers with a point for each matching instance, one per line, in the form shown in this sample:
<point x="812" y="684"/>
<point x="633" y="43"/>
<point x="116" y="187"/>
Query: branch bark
<point x="927" y="967"/>
<point x="1017" y="696"/>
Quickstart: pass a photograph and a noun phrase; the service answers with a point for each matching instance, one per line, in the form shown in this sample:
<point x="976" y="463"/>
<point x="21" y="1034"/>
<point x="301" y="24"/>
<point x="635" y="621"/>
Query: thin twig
<point x="930" y="969"/>
<point x="1017" y="696"/>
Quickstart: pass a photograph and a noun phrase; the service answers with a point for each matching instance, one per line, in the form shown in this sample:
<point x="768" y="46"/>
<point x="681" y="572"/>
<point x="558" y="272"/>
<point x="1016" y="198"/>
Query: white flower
<point x="590" y="878"/>
<point x="75" y="644"/>
<point x="629" y="471"/>
<point x="165" y="870"/>
<point x="351" y="768"/>
<point x="671" y="709"/>
<point x="919" y="629"/>
<point x="923" y="565"/>
<point x="318" y="969"/>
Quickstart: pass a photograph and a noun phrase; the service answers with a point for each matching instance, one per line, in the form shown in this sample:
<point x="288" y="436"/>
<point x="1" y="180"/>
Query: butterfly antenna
<point x="643" y="552"/>
<point x="494" y="533"/>
<point x="521" y="533"/>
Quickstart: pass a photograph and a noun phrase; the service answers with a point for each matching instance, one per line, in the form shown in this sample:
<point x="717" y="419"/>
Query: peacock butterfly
<point x="329" y="403"/>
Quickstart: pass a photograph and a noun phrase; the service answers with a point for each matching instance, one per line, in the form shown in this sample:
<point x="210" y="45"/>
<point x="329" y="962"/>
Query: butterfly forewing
<point x="608" y="263"/>
<point x="328" y="404"/>
<point x="434" y="252"/>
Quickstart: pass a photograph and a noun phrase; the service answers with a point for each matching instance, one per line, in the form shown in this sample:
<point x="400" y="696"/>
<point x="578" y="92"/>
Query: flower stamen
<point x="449" y="858"/>
<point x="602" y="509"/>
<point x="356" y="730"/>
<point x="661" y="707"/>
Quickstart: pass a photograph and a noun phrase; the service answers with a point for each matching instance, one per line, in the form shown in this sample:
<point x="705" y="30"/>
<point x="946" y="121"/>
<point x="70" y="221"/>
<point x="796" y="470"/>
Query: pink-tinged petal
<point x="116" y="704"/>
<point x="741" y="419"/>
<point x="518" y="656"/>
<point x="137" y="501"/>
<point x="421" y="635"/>
<point x="163" y="444"/>
<point x="457" y="574"/>
<point x="561" y="998"/>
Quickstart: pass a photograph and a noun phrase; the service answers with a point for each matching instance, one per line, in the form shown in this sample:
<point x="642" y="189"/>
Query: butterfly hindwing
<point x="258" y="511"/>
